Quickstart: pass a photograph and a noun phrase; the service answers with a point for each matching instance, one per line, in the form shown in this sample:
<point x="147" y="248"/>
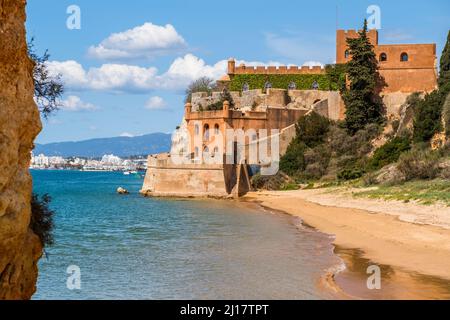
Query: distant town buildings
<point x="106" y="163"/>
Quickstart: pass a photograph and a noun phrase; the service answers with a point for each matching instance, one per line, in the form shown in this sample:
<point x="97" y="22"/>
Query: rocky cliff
<point x="20" y="248"/>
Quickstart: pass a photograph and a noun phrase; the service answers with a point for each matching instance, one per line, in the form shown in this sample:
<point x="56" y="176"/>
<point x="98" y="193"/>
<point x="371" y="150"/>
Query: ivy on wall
<point x="329" y="81"/>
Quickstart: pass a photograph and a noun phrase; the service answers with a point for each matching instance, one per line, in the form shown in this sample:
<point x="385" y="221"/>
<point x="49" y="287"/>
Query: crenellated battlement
<point x="244" y="69"/>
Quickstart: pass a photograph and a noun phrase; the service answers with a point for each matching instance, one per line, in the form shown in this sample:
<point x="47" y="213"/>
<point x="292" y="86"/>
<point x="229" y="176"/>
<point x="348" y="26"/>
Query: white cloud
<point x="143" y="41"/>
<point x="74" y="76"/>
<point x="108" y="77"/>
<point x="136" y="79"/>
<point x="127" y="135"/>
<point x="74" y="103"/>
<point x="155" y="103"/>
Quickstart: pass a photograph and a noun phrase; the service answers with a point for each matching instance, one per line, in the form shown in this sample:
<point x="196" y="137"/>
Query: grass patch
<point x="423" y="191"/>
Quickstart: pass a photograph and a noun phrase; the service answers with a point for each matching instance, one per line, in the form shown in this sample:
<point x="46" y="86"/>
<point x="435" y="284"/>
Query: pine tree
<point x="362" y="101"/>
<point x="444" y="74"/>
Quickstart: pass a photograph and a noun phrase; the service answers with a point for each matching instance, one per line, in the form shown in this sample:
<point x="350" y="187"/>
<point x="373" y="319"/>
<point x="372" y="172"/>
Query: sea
<point x="110" y="246"/>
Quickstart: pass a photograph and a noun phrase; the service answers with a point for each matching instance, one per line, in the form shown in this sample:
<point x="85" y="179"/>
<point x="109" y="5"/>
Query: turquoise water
<point x="131" y="247"/>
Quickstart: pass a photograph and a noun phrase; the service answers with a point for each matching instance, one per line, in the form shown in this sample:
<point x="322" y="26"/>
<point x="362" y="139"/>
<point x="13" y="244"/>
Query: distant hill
<point x="119" y="146"/>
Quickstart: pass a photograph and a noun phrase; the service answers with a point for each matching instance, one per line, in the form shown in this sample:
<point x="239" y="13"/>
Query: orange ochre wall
<point x="273" y="119"/>
<point x="418" y="74"/>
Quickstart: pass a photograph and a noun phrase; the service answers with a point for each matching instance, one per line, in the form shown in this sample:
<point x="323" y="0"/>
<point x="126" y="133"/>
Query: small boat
<point x="126" y="173"/>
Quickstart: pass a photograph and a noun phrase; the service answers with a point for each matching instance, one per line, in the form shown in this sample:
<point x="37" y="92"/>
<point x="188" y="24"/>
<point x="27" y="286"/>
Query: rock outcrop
<point x="20" y="248"/>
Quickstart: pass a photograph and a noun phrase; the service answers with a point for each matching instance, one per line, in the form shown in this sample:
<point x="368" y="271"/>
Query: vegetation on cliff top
<point x="48" y="89"/>
<point x="42" y="219"/>
<point x="203" y="84"/>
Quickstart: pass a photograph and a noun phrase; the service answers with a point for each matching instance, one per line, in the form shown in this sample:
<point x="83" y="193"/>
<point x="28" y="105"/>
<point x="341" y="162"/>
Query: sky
<point x="126" y="67"/>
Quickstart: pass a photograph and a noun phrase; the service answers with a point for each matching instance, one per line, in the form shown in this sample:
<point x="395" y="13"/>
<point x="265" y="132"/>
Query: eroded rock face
<point x="20" y="248"/>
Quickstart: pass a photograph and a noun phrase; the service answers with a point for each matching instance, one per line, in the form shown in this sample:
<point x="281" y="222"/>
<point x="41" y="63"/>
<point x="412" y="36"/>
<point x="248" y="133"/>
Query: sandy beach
<point x="409" y="240"/>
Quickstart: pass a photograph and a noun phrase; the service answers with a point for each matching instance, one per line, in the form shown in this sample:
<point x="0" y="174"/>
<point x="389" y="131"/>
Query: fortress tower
<point x="406" y="68"/>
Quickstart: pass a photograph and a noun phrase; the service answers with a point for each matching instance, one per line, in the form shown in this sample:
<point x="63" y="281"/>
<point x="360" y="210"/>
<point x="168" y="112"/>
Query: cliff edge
<point x="20" y="248"/>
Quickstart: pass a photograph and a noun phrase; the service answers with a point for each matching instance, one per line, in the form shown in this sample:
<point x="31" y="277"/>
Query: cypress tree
<point x="444" y="74"/>
<point x="362" y="101"/>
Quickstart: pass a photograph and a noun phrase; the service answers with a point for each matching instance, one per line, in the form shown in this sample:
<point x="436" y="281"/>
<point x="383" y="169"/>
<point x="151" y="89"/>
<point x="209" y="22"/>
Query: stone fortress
<point x="406" y="68"/>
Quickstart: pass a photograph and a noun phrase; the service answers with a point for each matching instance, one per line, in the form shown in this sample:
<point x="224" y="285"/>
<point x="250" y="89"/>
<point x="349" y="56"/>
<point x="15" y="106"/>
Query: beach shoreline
<point x="409" y="242"/>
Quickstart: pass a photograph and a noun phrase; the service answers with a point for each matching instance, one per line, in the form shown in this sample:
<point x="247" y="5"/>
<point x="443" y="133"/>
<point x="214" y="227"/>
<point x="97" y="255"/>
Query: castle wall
<point x="409" y="80"/>
<point x="417" y="74"/>
<point x="165" y="179"/>
<point x="243" y="69"/>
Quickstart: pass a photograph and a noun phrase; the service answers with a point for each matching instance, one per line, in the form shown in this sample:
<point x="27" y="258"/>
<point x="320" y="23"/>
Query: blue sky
<point x="127" y="67"/>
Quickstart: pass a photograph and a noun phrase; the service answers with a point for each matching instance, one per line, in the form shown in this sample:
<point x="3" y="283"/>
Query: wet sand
<point x="414" y="258"/>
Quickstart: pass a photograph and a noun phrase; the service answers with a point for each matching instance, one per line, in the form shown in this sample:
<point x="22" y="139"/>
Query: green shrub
<point x="281" y="81"/>
<point x="446" y="115"/>
<point x="389" y="152"/>
<point x="277" y="182"/>
<point x="289" y="186"/>
<point x="42" y="219"/>
<point x="317" y="161"/>
<point x="336" y="75"/>
<point x="350" y="174"/>
<point x="312" y="129"/>
<point x="294" y="159"/>
<point x="427" y="119"/>
<point x="224" y="96"/>
<point x="419" y="164"/>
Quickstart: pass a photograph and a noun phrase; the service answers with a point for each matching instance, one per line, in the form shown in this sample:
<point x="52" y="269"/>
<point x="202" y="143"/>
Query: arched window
<point x="292" y="86"/>
<point x="206" y="150"/>
<point x="268" y="85"/>
<point x="383" y="57"/>
<point x="404" y="57"/>
<point x="315" y="85"/>
<point x="206" y="130"/>
<point x="196" y="155"/>
<point x="216" y="129"/>
<point x="347" y="54"/>
<point x="216" y="150"/>
<point x="245" y="87"/>
<point x="197" y="130"/>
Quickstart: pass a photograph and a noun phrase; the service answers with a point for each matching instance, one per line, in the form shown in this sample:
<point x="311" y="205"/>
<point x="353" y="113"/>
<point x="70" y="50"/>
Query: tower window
<point x="347" y="54"/>
<point x="216" y="129"/>
<point x="383" y="57"/>
<point x="404" y="57"/>
<point x="197" y="129"/>
<point x="206" y="130"/>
